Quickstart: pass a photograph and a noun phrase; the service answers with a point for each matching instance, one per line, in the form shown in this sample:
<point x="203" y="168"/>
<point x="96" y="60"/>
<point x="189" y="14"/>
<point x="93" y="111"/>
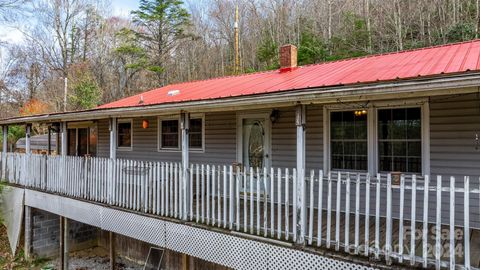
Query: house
<point x="38" y="144"/>
<point x="367" y="162"/>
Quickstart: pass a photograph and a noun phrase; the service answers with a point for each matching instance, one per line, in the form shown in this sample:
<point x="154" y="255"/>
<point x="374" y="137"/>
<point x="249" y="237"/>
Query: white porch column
<point x="113" y="138"/>
<point x="185" y="125"/>
<point x="64" y="143"/>
<point x="28" y="130"/>
<point x="300" y="188"/>
<point x="4" y="151"/>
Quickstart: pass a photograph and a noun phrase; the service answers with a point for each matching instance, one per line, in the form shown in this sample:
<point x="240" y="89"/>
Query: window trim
<point x="179" y="148"/>
<point x="372" y="130"/>
<point x="125" y="148"/>
<point x="201" y="149"/>
<point x="159" y="134"/>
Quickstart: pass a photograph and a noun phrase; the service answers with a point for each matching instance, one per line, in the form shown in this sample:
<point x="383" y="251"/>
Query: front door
<point x="254" y="143"/>
<point x="253" y="146"/>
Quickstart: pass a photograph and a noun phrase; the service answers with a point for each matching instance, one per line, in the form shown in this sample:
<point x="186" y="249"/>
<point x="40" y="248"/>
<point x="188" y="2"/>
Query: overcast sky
<point x="122" y="8"/>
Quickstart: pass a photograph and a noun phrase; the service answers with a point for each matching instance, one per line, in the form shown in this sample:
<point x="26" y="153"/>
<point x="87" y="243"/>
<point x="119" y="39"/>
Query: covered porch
<point x="340" y="173"/>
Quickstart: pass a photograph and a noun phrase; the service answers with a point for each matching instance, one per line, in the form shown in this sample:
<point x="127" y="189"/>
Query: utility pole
<point x="65" y="87"/>
<point x="237" y="54"/>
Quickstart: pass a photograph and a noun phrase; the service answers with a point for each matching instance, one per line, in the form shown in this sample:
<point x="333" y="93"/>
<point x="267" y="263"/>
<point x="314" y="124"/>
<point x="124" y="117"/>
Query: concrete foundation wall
<point x="46" y="234"/>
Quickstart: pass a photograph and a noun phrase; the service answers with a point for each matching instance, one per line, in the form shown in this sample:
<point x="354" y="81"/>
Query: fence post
<point x="185" y="125"/>
<point x="300" y="117"/>
<point x="466" y="227"/>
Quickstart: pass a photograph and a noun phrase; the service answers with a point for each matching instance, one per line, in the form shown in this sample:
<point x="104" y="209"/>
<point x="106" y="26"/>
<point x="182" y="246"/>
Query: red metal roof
<point x="445" y="59"/>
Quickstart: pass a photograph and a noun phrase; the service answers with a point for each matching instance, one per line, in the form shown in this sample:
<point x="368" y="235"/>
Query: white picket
<point x="401" y="233"/>
<point x="438" y="223"/>
<point x="413" y="217"/>
<point x="466" y="228"/>
<point x="347" y="215"/>
<point x="452" y="223"/>
<point x="319" y="208"/>
<point x="329" y="211"/>
<point x="377" y="218"/>
<point x="311" y="210"/>
<point x="425" y="221"/>
<point x="338" y="211"/>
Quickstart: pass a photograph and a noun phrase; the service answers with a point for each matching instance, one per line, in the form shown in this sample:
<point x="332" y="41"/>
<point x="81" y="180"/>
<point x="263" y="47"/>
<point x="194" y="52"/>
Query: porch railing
<point x="417" y="220"/>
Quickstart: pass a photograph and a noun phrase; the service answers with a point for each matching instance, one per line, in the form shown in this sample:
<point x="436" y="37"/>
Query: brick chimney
<point x="288" y="57"/>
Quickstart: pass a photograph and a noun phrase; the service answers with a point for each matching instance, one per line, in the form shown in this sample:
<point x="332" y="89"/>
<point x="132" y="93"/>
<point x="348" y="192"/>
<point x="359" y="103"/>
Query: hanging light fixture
<point x="360" y="112"/>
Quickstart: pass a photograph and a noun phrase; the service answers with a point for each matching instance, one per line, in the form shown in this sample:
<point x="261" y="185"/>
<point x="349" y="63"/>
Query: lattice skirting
<point x="217" y="247"/>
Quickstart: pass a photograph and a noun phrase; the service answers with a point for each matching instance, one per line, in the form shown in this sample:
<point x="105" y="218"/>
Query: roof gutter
<point x="453" y="84"/>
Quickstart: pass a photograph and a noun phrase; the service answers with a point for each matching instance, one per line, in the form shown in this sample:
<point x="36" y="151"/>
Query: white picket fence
<point x="374" y="216"/>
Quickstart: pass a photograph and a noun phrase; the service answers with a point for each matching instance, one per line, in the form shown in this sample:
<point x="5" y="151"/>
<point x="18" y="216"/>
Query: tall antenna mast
<point x="237" y="54"/>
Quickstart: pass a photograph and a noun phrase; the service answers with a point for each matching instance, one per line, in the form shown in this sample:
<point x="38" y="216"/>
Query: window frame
<point x="197" y="149"/>
<point x="123" y="121"/>
<point x="377" y="163"/>
<point x="373" y="157"/>
<point x="159" y="134"/>
<point x="179" y="148"/>
<point x="330" y="141"/>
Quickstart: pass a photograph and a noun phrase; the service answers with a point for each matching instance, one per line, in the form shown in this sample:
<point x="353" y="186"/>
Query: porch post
<point x="28" y="232"/>
<point x="49" y="138"/>
<point x="300" y="188"/>
<point x="185" y="125"/>
<point x="65" y="243"/>
<point x="112" y="249"/>
<point x="63" y="127"/>
<point x="4" y="152"/>
<point x="113" y="138"/>
<point x="28" y="129"/>
<point x="62" y="241"/>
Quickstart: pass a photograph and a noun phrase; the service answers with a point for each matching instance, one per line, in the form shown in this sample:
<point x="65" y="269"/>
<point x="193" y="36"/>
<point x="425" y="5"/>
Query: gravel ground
<point x="95" y="258"/>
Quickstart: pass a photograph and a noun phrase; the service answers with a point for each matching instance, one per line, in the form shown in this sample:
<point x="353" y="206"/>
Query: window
<point x="348" y="138"/>
<point x="169" y="138"/>
<point x="170" y="134"/>
<point x="400" y="140"/>
<point x="196" y="133"/>
<point x="124" y="137"/>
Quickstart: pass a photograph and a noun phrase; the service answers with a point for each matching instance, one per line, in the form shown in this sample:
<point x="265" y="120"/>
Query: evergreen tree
<point x="162" y="25"/>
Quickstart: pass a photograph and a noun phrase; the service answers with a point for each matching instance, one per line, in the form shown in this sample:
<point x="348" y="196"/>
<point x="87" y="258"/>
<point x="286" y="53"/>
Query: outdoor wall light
<point x="274" y="115"/>
<point x="360" y="112"/>
<point x="145" y="124"/>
